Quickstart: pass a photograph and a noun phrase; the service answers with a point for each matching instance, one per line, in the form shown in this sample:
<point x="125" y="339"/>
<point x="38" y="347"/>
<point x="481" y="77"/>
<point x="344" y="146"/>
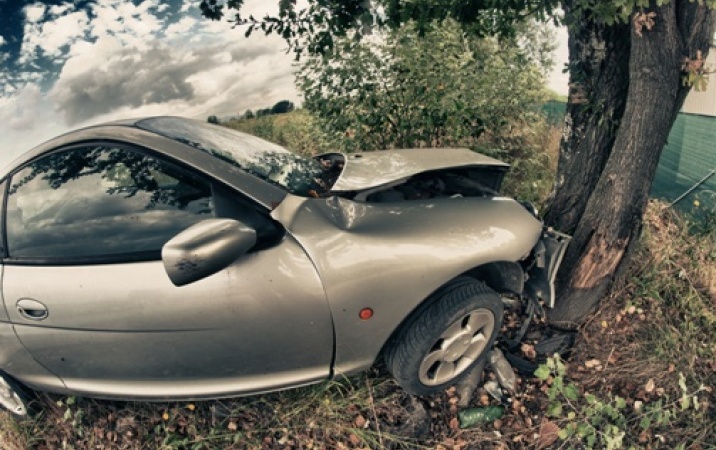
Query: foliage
<point x="398" y="91"/>
<point x="298" y="131"/>
<point x="359" y="412"/>
<point x="282" y="107"/>
<point x="316" y="28"/>
<point x="678" y="269"/>
<point x="213" y="119"/>
<point x="532" y="153"/>
<point x="603" y="423"/>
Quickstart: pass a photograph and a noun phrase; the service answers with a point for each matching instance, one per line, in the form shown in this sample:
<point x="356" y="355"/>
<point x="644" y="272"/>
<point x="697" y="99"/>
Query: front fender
<point x="392" y="256"/>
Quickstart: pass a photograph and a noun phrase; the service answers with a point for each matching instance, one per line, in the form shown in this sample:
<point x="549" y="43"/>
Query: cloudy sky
<point x="68" y="64"/>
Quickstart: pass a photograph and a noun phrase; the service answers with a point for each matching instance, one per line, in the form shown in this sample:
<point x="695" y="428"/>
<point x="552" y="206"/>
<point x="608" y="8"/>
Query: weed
<point x="593" y="422"/>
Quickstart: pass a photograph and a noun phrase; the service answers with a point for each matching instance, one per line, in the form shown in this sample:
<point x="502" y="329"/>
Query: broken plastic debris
<point x="503" y="370"/>
<point x="559" y="343"/>
<point x="478" y="416"/>
<point x="492" y="388"/>
<point x="467" y="386"/>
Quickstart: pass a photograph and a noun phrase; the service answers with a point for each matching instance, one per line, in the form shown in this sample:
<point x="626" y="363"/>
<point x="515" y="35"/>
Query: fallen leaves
<point x="650" y="385"/>
<point x="548" y="434"/>
<point x="528" y="351"/>
<point x="593" y="364"/>
<point x="361" y="422"/>
<point x="642" y="20"/>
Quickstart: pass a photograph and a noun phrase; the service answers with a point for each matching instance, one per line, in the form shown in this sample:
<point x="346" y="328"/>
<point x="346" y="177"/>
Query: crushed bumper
<point x="548" y="254"/>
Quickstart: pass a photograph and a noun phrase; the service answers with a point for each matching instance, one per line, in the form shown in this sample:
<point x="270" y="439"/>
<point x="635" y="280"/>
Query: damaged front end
<point x="546" y="258"/>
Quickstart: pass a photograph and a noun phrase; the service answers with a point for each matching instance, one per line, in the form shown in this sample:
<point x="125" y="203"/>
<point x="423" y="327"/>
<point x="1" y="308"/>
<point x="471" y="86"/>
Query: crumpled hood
<point x="373" y="169"/>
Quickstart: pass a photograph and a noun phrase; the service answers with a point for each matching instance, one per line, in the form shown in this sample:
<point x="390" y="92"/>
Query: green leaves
<point x="316" y="27"/>
<point x="401" y="90"/>
<point x="543" y="372"/>
<point x="602" y="422"/>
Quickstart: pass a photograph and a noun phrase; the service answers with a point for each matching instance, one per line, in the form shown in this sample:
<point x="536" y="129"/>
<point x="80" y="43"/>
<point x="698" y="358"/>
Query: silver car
<point x="165" y="258"/>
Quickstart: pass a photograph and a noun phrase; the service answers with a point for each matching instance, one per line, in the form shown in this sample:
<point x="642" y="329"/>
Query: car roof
<point x="126" y="131"/>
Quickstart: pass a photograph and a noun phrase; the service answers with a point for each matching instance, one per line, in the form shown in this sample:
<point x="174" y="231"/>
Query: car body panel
<point x="369" y="170"/>
<point x="3" y="311"/>
<point x="17" y="361"/>
<point x="347" y="241"/>
<point x="115" y="329"/>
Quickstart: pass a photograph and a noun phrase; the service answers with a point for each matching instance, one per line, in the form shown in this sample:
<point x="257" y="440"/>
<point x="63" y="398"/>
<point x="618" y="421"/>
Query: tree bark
<point x="599" y="82"/>
<point x="611" y="223"/>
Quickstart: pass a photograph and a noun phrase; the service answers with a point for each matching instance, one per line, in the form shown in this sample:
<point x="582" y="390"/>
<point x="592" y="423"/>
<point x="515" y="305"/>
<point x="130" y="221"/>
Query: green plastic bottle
<point x="478" y="416"/>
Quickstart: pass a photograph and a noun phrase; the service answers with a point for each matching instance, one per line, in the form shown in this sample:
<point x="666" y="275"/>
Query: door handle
<point x="32" y="309"/>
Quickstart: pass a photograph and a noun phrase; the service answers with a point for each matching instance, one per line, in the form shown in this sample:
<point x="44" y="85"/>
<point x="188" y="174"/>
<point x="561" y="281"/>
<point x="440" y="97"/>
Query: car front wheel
<point x="447" y="338"/>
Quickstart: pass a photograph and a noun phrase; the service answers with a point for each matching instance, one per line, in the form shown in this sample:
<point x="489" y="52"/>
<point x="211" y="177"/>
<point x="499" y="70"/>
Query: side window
<point x="101" y="202"/>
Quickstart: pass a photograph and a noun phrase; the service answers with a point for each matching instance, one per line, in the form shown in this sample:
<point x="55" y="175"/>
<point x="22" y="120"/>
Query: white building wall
<point x="704" y="103"/>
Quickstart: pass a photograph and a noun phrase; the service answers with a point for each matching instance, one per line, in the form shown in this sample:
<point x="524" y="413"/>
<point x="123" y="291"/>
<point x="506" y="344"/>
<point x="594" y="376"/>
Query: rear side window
<point x="101" y="202"/>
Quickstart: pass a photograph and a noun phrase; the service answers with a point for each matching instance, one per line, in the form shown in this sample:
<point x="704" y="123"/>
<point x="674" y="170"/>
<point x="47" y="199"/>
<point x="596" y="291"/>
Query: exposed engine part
<point x="443" y="184"/>
<point x="456" y="182"/>
<point x="332" y="167"/>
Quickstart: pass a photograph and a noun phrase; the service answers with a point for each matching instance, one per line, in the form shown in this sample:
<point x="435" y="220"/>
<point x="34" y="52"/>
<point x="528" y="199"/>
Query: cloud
<point x="35" y="13"/>
<point x="106" y="77"/>
<point x="180" y="28"/>
<point x="58" y="10"/>
<point x="52" y="37"/>
<point x="2" y="41"/>
<point x="114" y="59"/>
<point x="26" y="118"/>
<point x="122" y="78"/>
<point x="17" y="112"/>
<point x="132" y="24"/>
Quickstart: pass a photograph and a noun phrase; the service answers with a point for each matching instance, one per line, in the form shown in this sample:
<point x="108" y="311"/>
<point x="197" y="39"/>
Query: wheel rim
<point x="10" y="399"/>
<point x="457" y="348"/>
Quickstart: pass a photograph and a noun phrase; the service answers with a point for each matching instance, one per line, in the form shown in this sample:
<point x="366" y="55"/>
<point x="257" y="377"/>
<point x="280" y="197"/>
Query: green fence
<point x="554" y="110"/>
<point x="687" y="169"/>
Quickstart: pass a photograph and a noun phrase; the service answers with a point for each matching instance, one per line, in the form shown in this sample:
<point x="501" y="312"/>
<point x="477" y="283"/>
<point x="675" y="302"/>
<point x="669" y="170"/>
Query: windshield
<point x="270" y="162"/>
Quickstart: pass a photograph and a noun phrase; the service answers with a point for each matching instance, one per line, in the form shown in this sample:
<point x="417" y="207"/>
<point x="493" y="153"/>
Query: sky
<point x="64" y="65"/>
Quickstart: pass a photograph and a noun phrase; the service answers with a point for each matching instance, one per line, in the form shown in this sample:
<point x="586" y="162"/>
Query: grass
<point x="360" y="412"/>
<point x="654" y="339"/>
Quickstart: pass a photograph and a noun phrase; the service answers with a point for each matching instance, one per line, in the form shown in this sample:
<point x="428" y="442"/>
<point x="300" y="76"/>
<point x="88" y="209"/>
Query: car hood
<point x="368" y="170"/>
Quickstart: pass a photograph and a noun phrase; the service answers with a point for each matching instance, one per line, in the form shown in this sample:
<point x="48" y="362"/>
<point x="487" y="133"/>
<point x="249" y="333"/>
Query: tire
<point x="446" y="338"/>
<point x="15" y="398"/>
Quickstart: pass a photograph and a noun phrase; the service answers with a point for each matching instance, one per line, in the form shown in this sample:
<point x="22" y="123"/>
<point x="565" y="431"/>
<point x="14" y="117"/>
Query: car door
<point x="88" y="296"/>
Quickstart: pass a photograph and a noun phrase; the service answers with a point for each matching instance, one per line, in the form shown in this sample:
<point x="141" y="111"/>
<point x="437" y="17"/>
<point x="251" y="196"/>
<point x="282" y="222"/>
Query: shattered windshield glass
<point x="270" y="162"/>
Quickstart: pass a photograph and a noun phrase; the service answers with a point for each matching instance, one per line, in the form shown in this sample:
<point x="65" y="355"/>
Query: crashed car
<point x="165" y="258"/>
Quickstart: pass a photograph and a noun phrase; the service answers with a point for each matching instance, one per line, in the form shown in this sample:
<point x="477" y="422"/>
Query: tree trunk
<point x="611" y="222"/>
<point x="599" y="82"/>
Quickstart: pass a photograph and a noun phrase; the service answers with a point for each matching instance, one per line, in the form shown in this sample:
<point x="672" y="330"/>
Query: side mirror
<point x="205" y="248"/>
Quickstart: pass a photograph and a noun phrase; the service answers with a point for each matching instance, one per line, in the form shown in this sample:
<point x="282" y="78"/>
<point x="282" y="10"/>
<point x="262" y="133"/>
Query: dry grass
<point x="659" y="322"/>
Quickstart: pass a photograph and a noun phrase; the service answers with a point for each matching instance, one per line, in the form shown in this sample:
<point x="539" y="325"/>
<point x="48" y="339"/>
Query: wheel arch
<point x="500" y="276"/>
